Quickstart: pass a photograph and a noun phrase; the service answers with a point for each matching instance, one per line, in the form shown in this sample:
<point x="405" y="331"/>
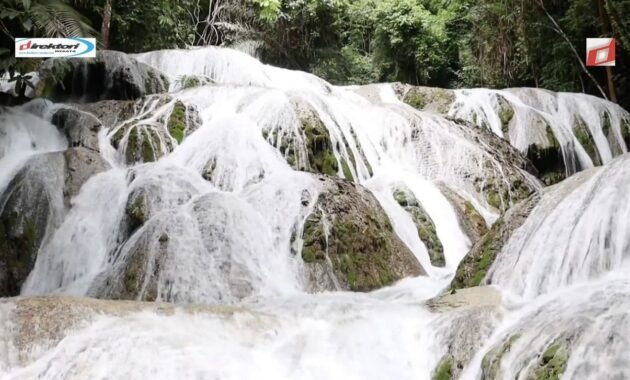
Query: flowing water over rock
<point x="253" y="198"/>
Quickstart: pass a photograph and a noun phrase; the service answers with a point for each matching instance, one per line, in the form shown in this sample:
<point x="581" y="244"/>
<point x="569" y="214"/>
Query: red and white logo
<point x="600" y="52"/>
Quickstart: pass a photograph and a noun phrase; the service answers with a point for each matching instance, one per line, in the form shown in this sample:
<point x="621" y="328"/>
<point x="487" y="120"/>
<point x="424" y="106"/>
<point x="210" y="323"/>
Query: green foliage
<point x="139" y="25"/>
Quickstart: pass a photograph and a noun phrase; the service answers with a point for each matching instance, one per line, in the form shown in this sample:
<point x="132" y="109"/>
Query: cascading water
<point x="589" y="130"/>
<point x="218" y="219"/>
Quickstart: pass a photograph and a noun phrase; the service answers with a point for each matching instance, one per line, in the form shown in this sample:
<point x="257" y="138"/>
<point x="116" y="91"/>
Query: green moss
<point x="177" y="122"/>
<point x="473" y="269"/>
<point x="494" y="199"/>
<point x="415" y="99"/>
<point x="321" y="157"/>
<point x="137" y="212"/>
<point x="190" y="81"/>
<point x="347" y="173"/>
<point x="154" y="82"/>
<point x="506" y="113"/>
<point x="583" y="135"/>
<point x="491" y="362"/>
<point x="401" y="198"/>
<point x="314" y="239"/>
<point x="148" y="153"/>
<point x="444" y="370"/>
<point x="133" y="147"/>
<point x="553" y="362"/>
<point x="363" y="256"/>
<point x="471" y="213"/>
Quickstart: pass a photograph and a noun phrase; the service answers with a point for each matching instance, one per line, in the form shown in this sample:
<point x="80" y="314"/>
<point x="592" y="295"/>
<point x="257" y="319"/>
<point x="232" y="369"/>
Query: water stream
<point x="231" y="235"/>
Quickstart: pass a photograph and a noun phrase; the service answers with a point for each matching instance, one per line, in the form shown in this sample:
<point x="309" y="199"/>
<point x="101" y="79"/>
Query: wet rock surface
<point x="31" y="205"/>
<point x="111" y="75"/>
<point x="350" y="239"/>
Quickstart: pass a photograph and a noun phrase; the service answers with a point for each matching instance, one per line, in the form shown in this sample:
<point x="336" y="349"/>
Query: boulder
<point x="111" y="75"/>
<point x="430" y="99"/>
<point x="80" y="128"/>
<point x="349" y="242"/>
<point x="467" y="318"/>
<point x="81" y="164"/>
<point x="473" y="268"/>
<point x="426" y="228"/>
<point x="31" y="205"/>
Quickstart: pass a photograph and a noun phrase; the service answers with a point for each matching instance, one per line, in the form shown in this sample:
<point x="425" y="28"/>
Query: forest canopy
<point x="443" y="43"/>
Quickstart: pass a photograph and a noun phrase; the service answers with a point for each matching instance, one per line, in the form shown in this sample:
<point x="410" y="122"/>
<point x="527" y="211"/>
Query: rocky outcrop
<point x="474" y="267"/>
<point x="81" y="164"/>
<point x="111" y="75"/>
<point x="468" y="317"/>
<point x="430" y="99"/>
<point x="145" y="136"/>
<point x="31" y="204"/>
<point x="426" y="228"/>
<point x="80" y="128"/>
<point x="349" y="242"/>
<point x="470" y="220"/>
<point x="112" y="112"/>
<point x="514" y="181"/>
<point x="546" y="154"/>
<point x="45" y="321"/>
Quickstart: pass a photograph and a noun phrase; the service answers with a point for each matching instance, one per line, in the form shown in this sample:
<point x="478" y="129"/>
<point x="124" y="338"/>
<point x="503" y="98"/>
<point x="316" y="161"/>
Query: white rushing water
<point x="528" y="112"/>
<point x="224" y="206"/>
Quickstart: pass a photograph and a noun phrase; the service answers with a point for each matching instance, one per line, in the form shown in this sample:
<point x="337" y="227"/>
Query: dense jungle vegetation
<point x="443" y="43"/>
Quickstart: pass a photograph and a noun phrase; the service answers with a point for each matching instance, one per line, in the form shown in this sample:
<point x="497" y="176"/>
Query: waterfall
<point x="212" y="216"/>
<point x="577" y="232"/>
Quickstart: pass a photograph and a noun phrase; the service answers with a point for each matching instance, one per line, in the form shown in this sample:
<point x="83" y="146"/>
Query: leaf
<point x="9" y="13"/>
<point x="13" y="79"/>
<point x="30" y="84"/>
<point x="27" y="24"/>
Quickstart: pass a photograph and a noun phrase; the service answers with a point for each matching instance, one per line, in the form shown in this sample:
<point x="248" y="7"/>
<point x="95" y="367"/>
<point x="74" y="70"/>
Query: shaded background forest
<point x="442" y="43"/>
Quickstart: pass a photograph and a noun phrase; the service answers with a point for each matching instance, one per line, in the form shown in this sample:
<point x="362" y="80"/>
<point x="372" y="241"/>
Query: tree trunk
<point x="605" y="22"/>
<point x="562" y="34"/>
<point x="107" y="19"/>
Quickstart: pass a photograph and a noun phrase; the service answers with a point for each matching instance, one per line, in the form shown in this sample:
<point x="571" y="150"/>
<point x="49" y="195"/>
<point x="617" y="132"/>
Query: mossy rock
<point x="491" y="362"/>
<point x="320" y="153"/>
<point x="424" y="224"/>
<point x="553" y="361"/>
<point x="356" y="242"/>
<point x="110" y="75"/>
<point x="428" y="98"/>
<point x="583" y="135"/>
<point x="444" y="369"/>
<point x="177" y="122"/>
<point x="191" y="81"/>
<point x="137" y="211"/>
<point x="548" y="159"/>
<point x="31" y="202"/>
<point x="143" y="145"/>
<point x="470" y="220"/>
<point x="505" y="112"/>
<point x="473" y="269"/>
